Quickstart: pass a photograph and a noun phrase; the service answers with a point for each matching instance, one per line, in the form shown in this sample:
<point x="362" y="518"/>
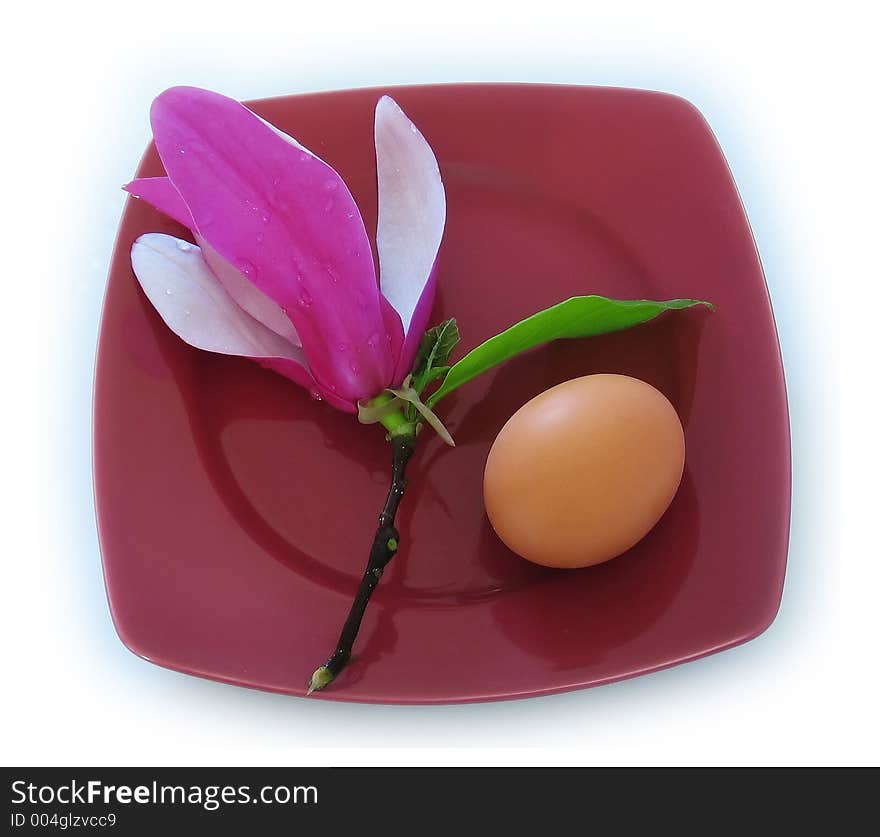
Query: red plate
<point x="235" y="513"/>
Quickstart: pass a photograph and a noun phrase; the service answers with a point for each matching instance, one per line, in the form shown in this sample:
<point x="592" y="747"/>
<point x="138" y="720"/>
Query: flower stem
<point x="386" y="542"/>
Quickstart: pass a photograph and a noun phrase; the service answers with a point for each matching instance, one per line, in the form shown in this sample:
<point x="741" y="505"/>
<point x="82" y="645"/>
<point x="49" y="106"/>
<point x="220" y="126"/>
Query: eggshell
<point x="583" y="471"/>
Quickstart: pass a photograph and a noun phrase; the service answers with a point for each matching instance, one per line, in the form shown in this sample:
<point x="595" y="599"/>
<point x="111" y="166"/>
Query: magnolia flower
<point x="282" y="270"/>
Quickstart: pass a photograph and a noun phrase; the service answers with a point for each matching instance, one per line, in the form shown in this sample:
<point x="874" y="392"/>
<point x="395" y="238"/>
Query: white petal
<point x="247" y="295"/>
<point x="195" y="306"/>
<point x="412" y="208"/>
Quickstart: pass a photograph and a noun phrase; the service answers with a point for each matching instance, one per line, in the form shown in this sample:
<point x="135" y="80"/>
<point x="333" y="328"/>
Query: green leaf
<point x="434" y="350"/>
<point x="580" y="316"/>
<point x="436" y="372"/>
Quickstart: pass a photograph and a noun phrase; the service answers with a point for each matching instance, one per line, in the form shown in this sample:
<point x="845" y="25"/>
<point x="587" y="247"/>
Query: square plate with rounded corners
<point x="235" y="513"/>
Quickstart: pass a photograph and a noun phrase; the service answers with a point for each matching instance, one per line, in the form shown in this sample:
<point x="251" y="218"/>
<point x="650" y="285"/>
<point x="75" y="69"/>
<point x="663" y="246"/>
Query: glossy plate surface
<point x="235" y="513"/>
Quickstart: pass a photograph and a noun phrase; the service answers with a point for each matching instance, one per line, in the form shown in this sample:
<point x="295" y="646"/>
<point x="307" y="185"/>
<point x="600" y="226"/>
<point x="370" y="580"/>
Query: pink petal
<point x="412" y="215"/>
<point x="287" y="221"/>
<point x="160" y="193"/>
<point x="290" y="369"/>
<point x="194" y="305"/>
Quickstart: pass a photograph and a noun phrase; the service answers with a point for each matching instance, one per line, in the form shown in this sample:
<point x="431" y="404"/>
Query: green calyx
<point x="386" y="409"/>
<point x="401" y="412"/>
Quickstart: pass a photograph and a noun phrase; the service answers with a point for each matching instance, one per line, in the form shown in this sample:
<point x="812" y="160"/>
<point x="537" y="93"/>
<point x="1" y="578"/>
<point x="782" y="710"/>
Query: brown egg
<point x="583" y="471"/>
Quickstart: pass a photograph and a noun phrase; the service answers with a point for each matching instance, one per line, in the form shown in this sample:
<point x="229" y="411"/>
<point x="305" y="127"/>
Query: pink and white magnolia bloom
<point x="282" y="270"/>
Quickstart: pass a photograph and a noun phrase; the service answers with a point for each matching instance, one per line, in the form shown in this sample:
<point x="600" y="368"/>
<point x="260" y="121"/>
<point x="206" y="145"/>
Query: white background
<point x="792" y="97"/>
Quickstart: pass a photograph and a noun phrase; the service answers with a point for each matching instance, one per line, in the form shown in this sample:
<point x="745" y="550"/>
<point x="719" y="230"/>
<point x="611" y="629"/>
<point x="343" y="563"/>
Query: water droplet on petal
<point x="304" y="156"/>
<point x="246" y="268"/>
<point x="316" y="395"/>
<point x="334" y="276"/>
<point x="265" y="216"/>
<point x="373" y="340"/>
<point x="349" y="215"/>
<point x="413" y="128"/>
<point x="184" y="245"/>
<point x="182" y="150"/>
<point x="328" y="207"/>
<point x="343" y="347"/>
<point x="186" y="311"/>
<point x="260" y="237"/>
<point x="168" y="292"/>
<point x="331" y="185"/>
<point x="305" y="298"/>
<point x="355" y="368"/>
